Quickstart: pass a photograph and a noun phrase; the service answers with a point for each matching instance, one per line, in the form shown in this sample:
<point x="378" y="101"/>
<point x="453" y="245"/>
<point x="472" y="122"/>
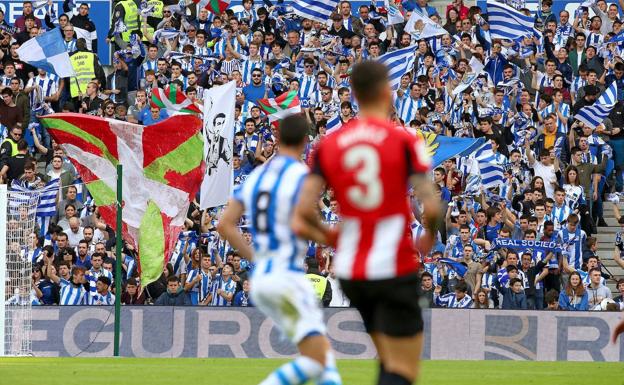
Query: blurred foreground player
<point x="278" y="286"/>
<point x="368" y="162"/>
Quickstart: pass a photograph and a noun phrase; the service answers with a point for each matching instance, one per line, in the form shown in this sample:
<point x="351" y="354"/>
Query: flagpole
<point x="118" y="261"/>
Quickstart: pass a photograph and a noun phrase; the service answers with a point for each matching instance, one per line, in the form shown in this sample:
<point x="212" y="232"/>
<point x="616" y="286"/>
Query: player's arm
<point x="227" y="228"/>
<point x="306" y="222"/>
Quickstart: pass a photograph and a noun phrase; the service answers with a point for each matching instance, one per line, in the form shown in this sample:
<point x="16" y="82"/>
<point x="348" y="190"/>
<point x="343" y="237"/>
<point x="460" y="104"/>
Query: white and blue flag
<point x="489" y="166"/>
<point x="47" y="52"/>
<point x="595" y="114"/>
<point x="399" y="63"/>
<point x="318" y="10"/>
<point x="507" y="23"/>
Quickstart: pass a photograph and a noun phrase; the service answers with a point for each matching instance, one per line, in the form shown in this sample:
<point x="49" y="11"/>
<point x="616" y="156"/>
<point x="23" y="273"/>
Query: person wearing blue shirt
<point x="242" y="298"/>
<point x="574" y="297"/>
<point x="420" y="6"/>
<point x="257" y="89"/>
<point x="152" y="114"/>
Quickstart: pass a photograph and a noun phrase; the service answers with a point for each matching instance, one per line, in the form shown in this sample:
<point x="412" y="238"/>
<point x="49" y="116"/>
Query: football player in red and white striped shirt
<point x="369" y="163"/>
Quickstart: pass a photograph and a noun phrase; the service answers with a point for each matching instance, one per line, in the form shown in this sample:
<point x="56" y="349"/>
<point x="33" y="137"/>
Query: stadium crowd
<point x="556" y="171"/>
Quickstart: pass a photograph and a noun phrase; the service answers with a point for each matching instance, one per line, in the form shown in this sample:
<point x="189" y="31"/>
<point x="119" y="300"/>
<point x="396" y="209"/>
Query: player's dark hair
<point x="104" y="280"/>
<point x="368" y="79"/>
<point x="293" y="130"/>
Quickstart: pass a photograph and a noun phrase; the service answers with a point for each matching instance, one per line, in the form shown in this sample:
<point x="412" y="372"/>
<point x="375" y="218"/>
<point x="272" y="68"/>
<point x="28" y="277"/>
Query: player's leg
<point x="291" y="304"/>
<point x="398" y="329"/>
<point x="401" y="362"/>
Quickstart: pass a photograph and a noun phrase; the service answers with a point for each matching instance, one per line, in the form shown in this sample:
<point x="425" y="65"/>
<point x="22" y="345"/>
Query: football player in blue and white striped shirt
<point x="279" y="289"/>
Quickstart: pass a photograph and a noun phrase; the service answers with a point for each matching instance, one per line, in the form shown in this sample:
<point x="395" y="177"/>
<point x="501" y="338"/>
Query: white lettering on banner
<point x="219" y="332"/>
<point x="74" y="323"/>
<point x="234" y="341"/>
<point x="49" y="314"/>
<point x="177" y="340"/>
<point x="350" y="336"/>
<point x="264" y="340"/>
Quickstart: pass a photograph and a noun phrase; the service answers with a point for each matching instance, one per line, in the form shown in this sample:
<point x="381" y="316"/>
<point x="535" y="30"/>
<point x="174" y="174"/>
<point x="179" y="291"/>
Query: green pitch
<point x="182" y="371"/>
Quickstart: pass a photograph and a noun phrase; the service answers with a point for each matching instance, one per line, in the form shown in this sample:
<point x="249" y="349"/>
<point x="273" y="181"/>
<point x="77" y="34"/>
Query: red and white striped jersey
<point x="368" y="163"/>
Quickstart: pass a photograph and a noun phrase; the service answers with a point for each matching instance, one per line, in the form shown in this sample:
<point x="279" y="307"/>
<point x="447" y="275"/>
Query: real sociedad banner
<point x="99" y="12"/>
<point x="527" y="244"/>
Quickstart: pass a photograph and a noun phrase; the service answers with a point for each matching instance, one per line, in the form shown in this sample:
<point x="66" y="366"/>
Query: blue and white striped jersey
<point x="269" y="196"/>
<point x="451" y="301"/>
<point x="228" y="286"/>
<point x="99" y="299"/>
<point x="72" y="294"/>
<point x="572" y="244"/>
<point x="92" y="276"/>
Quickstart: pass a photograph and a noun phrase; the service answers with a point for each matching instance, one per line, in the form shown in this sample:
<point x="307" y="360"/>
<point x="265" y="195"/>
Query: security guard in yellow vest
<point x="320" y="284"/>
<point x="8" y="148"/>
<point x="128" y="12"/>
<point x="151" y="22"/>
<point x="87" y="66"/>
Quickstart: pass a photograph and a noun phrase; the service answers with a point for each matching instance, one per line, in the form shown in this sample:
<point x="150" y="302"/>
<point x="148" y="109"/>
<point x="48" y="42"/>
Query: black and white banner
<point x="218" y="138"/>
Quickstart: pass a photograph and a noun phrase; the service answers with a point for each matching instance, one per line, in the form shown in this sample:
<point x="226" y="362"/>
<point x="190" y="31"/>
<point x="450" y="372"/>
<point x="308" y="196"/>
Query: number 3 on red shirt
<point x="368" y="195"/>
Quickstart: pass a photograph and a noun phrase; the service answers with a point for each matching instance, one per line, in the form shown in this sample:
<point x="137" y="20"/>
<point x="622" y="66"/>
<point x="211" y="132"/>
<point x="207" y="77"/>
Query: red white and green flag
<point x="215" y="6"/>
<point x="163" y="168"/>
<point x="173" y="100"/>
<point x="278" y="108"/>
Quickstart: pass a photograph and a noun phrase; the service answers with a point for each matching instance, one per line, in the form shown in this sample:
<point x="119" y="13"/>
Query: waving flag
<point x="459" y="268"/>
<point x="507" y="23"/>
<point x="173" y="100"/>
<point x="318" y="10"/>
<point x="284" y="105"/>
<point x="394" y="14"/>
<point x="160" y="177"/>
<point x="596" y="113"/>
<point x="490" y="169"/>
<point x="44" y="198"/>
<point x="215" y="6"/>
<point x="399" y="63"/>
<point x="441" y="147"/>
<point x="48" y="52"/>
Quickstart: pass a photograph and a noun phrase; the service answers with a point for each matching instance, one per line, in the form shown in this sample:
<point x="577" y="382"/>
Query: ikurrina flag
<point x="173" y="100"/>
<point x="278" y="108"/>
<point x="215" y="6"/>
<point x="162" y="170"/>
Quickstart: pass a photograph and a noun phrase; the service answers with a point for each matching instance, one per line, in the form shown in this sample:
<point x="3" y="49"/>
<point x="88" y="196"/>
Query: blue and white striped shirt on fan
<point x="247" y="66"/>
<point x="573" y="243"/>
<point x="228" y="286"/>
<point x="71" y="294"/>
<point x="451" y="301"/>
<point x="47" y="84"/>
<point x="99" y="299"/>
<point x="92" y="276"/>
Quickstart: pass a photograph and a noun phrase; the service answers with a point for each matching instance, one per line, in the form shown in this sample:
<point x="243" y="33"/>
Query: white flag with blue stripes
<point x="596" y="113"/>
<point x="507" y="23"/>
<point x="489" y="168"/>
<point x="399" y="63"/>
<point x="319" y="10"/>
<point x="46" y="206"/>
<point x="47" y="52"/>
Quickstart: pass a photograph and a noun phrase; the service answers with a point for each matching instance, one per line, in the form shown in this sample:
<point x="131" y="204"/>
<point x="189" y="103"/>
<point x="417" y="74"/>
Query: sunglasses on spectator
<point x="256" y="75"/>
<point x="325" y="93"/>
<point x="308" y="66"/>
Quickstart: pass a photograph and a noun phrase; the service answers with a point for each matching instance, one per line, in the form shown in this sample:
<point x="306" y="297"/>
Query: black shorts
<point x="388" y="306"/>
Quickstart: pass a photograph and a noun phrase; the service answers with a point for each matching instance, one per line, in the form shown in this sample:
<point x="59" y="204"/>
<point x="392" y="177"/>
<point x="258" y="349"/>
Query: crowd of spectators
<point x="558" y="171"/>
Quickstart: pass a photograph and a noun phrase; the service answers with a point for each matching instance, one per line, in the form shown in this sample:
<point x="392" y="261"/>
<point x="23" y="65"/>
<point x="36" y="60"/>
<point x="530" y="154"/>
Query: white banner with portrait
<point x="218" y="134"/>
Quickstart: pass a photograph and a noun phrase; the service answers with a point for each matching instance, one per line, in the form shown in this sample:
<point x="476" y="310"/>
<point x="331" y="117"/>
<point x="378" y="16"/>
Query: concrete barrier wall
<point x="245" y="332"/>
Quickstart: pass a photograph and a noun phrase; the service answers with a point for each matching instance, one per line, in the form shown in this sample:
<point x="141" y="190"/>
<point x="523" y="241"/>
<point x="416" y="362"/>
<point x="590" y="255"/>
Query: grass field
<point x="183" y="371"/>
